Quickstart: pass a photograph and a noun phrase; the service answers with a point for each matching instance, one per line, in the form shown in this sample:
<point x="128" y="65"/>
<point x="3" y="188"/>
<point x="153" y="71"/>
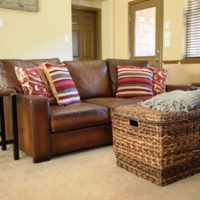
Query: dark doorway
<point x="86" y="33"/>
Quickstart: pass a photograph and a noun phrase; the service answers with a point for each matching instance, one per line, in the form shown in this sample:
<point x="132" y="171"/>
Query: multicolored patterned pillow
<point x="33" y="81"/>
<point x="134" y="81"/>
<point x="159" y="80"/>
<point x="62" y="85"/>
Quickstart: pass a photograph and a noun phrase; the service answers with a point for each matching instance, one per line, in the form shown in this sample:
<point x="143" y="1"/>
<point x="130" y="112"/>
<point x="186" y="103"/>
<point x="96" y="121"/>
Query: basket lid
<point x="142" y="114"/>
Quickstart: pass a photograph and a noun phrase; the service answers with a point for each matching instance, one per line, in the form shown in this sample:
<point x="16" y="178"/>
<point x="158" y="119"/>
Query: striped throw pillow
<point x="62" y="85"/>
<point x="134" y="81"/>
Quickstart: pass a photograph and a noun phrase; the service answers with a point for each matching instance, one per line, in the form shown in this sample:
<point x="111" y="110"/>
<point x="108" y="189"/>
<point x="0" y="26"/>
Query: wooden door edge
<point x="98" y="13"/>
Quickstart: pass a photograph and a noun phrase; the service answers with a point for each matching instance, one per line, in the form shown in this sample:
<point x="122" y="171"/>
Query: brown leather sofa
<point x="46" y="129"/>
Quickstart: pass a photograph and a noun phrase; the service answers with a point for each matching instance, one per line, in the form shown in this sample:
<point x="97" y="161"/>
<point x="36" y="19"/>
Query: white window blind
<point x="193" y="29"/>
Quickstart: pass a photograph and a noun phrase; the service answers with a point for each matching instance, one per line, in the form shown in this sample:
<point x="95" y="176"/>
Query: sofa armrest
<point x="34" y="126"/>
<point x="178" y="87"/>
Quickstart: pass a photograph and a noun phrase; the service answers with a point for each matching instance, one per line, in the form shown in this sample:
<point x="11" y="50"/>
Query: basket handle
<point x="133" y="122"/>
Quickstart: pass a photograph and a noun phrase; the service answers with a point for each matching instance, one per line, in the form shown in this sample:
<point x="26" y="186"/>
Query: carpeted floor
<point x="85" y="175"/>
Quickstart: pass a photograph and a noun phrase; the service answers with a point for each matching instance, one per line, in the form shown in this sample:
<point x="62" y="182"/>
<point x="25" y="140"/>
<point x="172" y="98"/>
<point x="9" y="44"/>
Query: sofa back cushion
<point x="134" y="81"/>
<point x="8" y="77"/>
<point x="91" y="78"/>
<point x="112" y="65"/>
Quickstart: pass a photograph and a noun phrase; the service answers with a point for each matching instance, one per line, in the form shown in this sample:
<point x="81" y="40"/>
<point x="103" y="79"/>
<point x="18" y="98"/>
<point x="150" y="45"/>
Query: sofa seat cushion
<point x="78" y="115"/>
<point x="111" y="102"/>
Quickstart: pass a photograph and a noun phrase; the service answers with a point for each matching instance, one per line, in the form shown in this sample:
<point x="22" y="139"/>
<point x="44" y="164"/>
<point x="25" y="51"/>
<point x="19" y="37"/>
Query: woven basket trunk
<point x="158" y="146"/>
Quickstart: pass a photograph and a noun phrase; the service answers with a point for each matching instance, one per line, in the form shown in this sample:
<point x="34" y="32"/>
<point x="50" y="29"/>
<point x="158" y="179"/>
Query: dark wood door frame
<point x="98" y="26"/>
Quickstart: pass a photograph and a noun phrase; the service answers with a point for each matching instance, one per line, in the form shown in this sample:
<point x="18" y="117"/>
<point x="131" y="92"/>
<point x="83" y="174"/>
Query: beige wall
<point x="175" y="22"/>
<point x="42" y="34"/>
<point x="183" y="73"/>
<point x="107" y="29"/>
<point x="39" y="34"/>
<point x="121" y="28"/>
<point x="173" y="13"/>
<point x="120" y="33"/>
<point x="178" y="73"/>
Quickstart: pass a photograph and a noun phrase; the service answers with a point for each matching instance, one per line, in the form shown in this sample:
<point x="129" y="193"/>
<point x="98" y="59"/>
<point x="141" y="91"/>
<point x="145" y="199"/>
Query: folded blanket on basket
<point x="174" y="101"/>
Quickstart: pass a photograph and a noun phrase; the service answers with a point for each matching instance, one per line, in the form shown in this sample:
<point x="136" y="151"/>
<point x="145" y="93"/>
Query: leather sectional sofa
<point x="46" y="129"/>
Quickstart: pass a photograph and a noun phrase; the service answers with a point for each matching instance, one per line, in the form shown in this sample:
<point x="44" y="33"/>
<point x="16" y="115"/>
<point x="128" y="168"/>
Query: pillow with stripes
<point x="134" y="81"/>
<point x="61" y="83"/>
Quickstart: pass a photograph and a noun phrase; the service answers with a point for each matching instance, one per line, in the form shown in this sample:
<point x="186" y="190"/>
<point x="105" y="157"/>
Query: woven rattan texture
<point x="161" y="147"/>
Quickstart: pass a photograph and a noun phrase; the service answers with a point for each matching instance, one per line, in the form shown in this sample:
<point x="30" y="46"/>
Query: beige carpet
<point x="85" y="175"/>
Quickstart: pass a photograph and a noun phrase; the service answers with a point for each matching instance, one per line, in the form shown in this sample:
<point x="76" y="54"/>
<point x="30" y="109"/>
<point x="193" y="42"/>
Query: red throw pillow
<point x="134" y="81"/>
<point x="33" y="81"/>
<point x="62" y="85"/>
<point x="159" y="80"/>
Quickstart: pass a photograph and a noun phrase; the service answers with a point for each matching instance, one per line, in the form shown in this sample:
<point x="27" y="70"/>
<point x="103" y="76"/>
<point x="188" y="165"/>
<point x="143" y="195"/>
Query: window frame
<point x="186" y="59"/>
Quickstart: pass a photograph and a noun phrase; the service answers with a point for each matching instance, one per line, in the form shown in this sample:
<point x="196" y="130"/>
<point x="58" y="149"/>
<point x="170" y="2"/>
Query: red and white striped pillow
<point x="134" y="81"/>
<point x="62" y="85"/>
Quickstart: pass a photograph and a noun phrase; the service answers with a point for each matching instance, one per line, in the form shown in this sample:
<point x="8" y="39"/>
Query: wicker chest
<point x="159" y="146"/>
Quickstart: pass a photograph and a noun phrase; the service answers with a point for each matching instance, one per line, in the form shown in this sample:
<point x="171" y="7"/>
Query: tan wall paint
<point x="183" y="73"/>
<point x="173" y="13"/>
<point x="120" y="26"/>
<point x="41" y="34"/>
<point x="178" y="73"/>
<point x="107" y="29"/>
<point x="121" y="48"/>
<point x="120" y="13"/>
<point x="37" y="35"/>
<point x="175" y="21"/>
